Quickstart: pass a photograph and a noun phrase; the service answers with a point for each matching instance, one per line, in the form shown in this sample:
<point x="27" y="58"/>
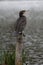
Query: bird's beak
<point x="28" y="11"/>
<point x="25" y="13"/>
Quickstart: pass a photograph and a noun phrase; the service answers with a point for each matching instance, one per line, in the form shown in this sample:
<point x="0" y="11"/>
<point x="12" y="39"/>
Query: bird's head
<point x="21" y="13"/>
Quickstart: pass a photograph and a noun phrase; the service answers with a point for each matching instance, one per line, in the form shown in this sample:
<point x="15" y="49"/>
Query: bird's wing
<point x="21" y="24"/>
<point x="16" y="23"/>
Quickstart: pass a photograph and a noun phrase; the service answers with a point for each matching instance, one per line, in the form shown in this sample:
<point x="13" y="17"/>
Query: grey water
<point x="33" y="41"/>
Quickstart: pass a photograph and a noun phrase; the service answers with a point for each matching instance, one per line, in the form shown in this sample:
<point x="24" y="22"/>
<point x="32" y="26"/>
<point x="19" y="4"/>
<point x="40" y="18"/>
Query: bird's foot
<point x="20" y="33"/>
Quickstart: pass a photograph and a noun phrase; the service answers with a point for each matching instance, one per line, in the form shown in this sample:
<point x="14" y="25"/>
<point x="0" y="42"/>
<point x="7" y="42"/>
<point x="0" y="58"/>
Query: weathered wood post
<point x="19" y="47"/>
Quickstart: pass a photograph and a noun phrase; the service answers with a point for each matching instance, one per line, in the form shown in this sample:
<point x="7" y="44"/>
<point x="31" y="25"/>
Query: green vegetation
<point x="9" y="58"/>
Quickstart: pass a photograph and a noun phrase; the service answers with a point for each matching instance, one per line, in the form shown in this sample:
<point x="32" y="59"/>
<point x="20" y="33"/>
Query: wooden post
<point x="19" y="47"/>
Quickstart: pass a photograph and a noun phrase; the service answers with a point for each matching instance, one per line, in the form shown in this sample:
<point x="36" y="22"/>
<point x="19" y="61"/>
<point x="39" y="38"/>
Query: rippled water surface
<point x="33" y="41"/>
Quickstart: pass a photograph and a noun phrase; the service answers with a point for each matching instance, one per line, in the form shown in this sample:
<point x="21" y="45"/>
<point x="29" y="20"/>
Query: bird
<point x="20" y="23"/>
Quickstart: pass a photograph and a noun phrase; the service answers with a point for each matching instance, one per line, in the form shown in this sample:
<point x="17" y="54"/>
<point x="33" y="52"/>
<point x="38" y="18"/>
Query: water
<point x="33" y="41"/>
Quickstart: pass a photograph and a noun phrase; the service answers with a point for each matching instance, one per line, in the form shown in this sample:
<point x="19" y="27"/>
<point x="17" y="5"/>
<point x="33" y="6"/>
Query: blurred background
<point x="33" y="42"/>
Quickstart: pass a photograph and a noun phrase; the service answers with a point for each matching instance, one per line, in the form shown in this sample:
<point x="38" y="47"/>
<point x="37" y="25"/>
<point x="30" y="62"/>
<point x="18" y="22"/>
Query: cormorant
<point x="20" y="23"/>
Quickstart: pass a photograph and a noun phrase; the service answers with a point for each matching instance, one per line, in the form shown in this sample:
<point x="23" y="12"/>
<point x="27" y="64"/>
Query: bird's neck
<point x="21" y="16"/>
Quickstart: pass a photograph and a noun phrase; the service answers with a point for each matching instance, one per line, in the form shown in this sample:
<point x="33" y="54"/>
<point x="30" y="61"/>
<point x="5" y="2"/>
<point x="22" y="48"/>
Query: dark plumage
<point x="20" y="23"/>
